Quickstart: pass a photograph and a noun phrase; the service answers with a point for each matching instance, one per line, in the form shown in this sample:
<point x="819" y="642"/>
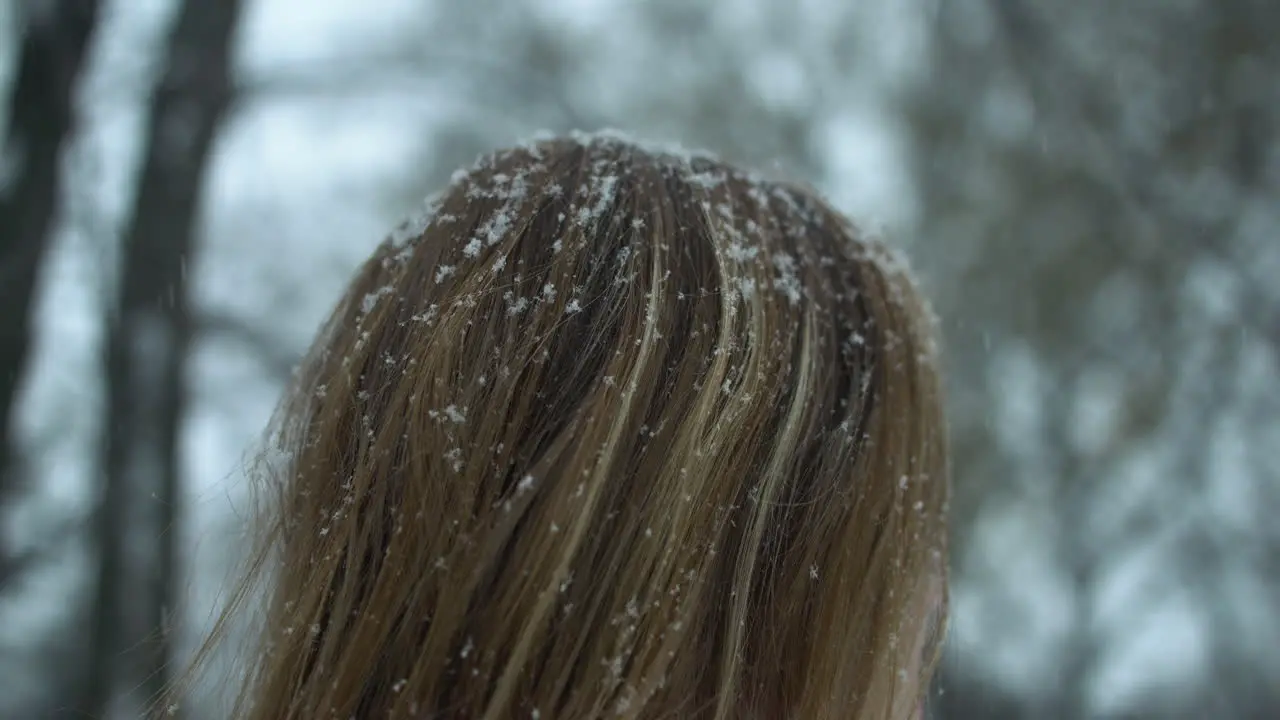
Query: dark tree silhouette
<point x="149" y="332"/>
<point x="42" y="118"/>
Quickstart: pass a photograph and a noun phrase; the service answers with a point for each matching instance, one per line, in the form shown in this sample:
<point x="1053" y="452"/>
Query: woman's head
<point x="610" y="431"/>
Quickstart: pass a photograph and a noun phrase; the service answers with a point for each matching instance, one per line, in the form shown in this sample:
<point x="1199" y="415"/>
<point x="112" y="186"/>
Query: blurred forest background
<point x="1090" y="189"/>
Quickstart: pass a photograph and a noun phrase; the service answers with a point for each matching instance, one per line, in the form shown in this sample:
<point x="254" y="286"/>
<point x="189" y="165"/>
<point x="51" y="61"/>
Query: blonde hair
<point x="610" y="430"/>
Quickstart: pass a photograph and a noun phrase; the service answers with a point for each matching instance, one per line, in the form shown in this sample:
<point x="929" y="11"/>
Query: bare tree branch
<point x="53" y="540"/>
<point x="263" y="344"/>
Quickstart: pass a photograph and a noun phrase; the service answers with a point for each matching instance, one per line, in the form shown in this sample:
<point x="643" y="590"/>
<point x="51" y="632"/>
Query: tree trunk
<point x="148" y="339"/>
<point x="42" y="118"/>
